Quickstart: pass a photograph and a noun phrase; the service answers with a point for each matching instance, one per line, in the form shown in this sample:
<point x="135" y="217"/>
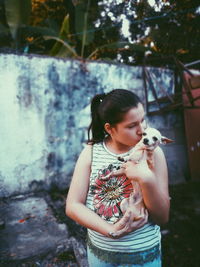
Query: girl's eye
<point x="131" y="126"/>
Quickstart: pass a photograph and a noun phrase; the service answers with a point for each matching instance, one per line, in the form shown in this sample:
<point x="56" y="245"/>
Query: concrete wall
<point x="44" y="107"/>
<point x="172" y="125"/>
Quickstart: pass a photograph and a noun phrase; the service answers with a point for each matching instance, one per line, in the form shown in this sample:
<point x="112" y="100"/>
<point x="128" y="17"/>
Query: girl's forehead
<point x="134" y="114"/>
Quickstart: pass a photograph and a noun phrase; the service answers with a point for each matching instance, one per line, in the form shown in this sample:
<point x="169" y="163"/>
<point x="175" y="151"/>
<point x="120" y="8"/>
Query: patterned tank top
<point x="104" y="198"/>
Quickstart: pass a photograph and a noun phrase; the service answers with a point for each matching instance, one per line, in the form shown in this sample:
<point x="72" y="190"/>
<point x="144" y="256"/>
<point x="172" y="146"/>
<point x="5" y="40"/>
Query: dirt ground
<point x="181" y="236"/>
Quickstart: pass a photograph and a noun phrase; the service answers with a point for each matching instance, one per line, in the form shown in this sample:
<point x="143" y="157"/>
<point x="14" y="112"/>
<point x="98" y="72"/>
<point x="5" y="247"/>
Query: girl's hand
<point x="128" y="223"/>
<point x="137" y="171"/>
<point x="134" y="218"/>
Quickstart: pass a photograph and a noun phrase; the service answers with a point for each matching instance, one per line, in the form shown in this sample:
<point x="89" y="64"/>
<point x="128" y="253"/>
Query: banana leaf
<point x="69" y="48"/>
<point x="59" y="49"/>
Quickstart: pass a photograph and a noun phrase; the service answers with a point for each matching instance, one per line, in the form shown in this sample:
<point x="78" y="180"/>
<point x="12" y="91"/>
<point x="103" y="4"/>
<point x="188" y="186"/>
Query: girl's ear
<point x="107" y="128"/>
<point x="165" y="140"/>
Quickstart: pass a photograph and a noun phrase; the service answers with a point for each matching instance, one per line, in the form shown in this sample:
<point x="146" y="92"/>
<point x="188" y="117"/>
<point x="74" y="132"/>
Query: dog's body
<point x="151" y="138"/>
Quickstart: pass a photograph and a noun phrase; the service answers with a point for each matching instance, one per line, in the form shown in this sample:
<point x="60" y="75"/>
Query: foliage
<point x="93" y="29"/>
<point x="169" y="28"/>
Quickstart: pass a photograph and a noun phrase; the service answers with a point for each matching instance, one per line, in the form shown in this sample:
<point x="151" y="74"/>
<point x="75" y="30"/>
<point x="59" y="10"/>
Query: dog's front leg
<point x="117" y="172"/>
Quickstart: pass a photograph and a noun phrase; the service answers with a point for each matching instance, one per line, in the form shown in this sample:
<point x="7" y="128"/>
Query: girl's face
<point x="128" y="132"/>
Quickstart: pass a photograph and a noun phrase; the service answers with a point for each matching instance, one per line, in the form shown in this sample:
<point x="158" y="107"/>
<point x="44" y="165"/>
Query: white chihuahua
<point x="151" y="138"/>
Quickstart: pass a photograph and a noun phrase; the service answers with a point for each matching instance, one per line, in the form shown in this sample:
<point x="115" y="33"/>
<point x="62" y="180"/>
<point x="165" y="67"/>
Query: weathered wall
<point x="44" y="107"/>
<point x="172" y="125"/>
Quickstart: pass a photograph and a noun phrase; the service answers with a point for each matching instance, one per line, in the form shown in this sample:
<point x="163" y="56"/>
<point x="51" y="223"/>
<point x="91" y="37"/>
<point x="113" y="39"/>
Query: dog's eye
<point x="144" y="134"/>
<point x="155" y="139"/>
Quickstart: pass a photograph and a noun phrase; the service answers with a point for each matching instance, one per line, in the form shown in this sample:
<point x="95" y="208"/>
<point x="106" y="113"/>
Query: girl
<point x="94" y="199"/>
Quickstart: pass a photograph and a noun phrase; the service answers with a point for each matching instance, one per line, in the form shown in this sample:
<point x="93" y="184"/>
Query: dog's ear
<point x="165" y="140"/>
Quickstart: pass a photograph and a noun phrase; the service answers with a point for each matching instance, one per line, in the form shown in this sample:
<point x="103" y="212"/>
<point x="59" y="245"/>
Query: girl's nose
<point x="141" y="127"/>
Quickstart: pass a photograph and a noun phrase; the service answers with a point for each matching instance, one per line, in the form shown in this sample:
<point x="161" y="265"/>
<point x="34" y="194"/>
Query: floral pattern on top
<point x="109" y="192"/>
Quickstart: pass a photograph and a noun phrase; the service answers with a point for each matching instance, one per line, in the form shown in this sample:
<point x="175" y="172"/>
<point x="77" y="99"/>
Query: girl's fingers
<point x="118" y="234"/>
<point x="137" y="218"/>
<point x="118" y="172"/>
<point x="146" y="214"/>
<point x="143" y="211"/>
<point x="143" y="215"/>
<point x="131" y="227"/>
<point x="124" y="220"/>
<point x="127" y="225"/>
<point x="139" y="222"/>
<point x="128" y="228"/>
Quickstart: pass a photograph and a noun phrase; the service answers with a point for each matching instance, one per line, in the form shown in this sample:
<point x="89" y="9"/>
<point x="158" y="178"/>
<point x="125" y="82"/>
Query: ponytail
<point x="96" y="125"/>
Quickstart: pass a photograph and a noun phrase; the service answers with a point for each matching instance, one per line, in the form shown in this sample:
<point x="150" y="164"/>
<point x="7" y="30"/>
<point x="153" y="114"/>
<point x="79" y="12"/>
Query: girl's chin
<point x="132" y="144"/>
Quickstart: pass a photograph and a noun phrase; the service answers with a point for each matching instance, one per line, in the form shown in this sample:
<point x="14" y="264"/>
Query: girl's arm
<point x="155" y="189"/>
<point x="76" y="199"/>
<point x="154" y="185"/>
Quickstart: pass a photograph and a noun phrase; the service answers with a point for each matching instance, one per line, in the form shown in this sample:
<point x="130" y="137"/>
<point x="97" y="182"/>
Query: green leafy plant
<point x="77" y="29"/>
<point x="62" y="48"/>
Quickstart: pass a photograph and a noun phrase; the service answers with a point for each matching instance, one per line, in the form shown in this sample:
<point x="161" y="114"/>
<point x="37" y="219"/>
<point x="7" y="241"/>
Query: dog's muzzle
<point x="146" y="141"/>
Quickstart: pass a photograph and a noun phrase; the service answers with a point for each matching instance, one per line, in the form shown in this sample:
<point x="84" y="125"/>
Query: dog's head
<point x="151" y="138"/>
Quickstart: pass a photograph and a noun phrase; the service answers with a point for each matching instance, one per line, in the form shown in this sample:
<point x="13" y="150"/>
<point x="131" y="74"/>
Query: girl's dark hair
<point x="109" y="108"/>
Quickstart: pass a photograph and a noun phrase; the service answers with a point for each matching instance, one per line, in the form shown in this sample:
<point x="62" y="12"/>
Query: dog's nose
<point x="146" y="141"/>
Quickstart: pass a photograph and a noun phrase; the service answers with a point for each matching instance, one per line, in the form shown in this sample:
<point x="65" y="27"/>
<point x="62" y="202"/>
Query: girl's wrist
<point x="112" y="229"/>
<point x="109" y="230"/>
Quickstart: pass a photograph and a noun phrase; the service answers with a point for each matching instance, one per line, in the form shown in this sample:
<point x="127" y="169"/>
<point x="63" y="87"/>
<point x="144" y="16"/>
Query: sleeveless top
<point x="104" y="197"/>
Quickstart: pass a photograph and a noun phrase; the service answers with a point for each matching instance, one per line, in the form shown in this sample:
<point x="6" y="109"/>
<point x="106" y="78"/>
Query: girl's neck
<point x="116" y="147"/>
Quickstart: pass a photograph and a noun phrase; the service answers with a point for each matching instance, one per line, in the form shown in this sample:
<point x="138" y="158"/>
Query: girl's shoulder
<point x="87" y="149"/>
<point x="86" y="155"/>
<point x="93" y="146"/>
<point x="88" y="152"/>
